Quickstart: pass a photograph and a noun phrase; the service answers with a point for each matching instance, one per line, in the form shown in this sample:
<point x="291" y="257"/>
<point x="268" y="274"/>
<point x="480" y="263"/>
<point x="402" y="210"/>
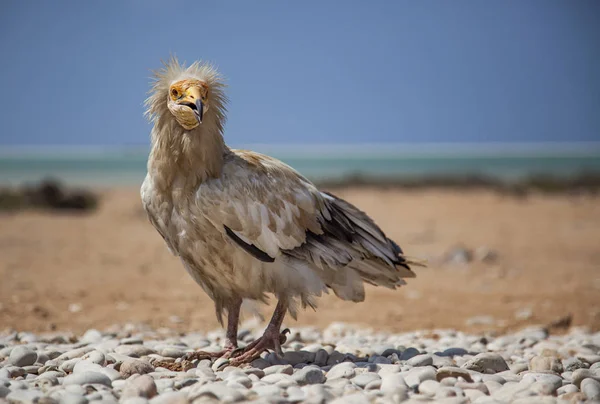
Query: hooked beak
<point x="193" y="100"/>
<point x="199" y="111"/>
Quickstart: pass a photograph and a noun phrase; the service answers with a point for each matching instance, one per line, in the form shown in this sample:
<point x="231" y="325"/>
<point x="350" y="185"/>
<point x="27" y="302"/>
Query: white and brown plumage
<point x="246" y="225"/>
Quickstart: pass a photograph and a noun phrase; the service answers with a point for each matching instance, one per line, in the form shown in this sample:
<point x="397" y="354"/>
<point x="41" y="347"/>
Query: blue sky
<point x="77" y="72"/>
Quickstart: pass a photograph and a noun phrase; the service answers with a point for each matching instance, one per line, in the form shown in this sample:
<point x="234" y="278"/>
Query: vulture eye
<point x="175" y="93"/>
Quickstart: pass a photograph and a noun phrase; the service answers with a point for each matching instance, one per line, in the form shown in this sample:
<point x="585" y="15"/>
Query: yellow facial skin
<point x="188" y="102"/>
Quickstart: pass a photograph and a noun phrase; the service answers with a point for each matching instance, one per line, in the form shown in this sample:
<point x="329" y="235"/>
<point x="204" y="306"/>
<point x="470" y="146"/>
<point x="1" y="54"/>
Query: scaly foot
<point x="186" y="360"/>
<point x="200" y="355"/>
<point x="271" y="339"/>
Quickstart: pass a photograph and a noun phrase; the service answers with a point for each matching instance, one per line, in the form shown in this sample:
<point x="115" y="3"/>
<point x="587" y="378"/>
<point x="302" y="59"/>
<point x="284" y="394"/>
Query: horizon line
<point x="381" y="149"/>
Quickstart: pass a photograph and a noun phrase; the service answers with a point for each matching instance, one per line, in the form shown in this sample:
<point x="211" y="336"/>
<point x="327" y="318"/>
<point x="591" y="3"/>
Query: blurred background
<point x="469" y="131"/>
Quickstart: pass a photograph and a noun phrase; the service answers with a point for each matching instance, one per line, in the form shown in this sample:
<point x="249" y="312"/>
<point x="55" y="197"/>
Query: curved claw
<point x="280" y="341"/>
<point x="223" y="365"/>
<point x="235" y="352"/>
<point x="282" y="336"/>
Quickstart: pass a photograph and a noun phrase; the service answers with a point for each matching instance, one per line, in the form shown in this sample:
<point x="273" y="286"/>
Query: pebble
<point x="4" y="391"/>
<point x="220" y="363"/>
<point x="24" y="396"/>
<point x="492" y="386"/>
<point x="141" y="386"/>
<point x="544" y="363"/>
<point x="72" y="398"/>
<point x="364" y="379"/>
<point x="91" y="336"/>
<point x="170" y="397"/>
<point x="135" y="366"/>
<point x="409" y="353"/>
<point x="418" y="375"/>
<point x="487" y="362"/>
<point x="321" y="357"/>
<point x="576" y="397"/>
<point x="287" y="369"/>
<point x="472" y="386"/>
<point x="511" y="391"/>
<point x="339" y="383"/>
<point x="31" y="369"/>
<point x="388" y="351"/>
<point x="295" y="394"/>
<point x="341" y="364"/>
<point x="475" y="395"/>
<point x="74" y="353"/>
<point x="591" y="389"/>
<point x="218" y="390"/>
<point x="242" y="380"/>
<point x="172" y="352"/>
<point x="309" y="375"/>
<point x="495" y="378"/>
<point x="87" y="378"/>
<point x="338" y="357"/>
<point x="571" y="364"/>
<point x="429" y="387"/>
<point x="75" y="389"/>
<point x="275" y="378"/>
<point x="519" y="367"/>
<point x="22" y="356"/>
<point x="544" y="384"/>
<point x="85" y="366"/>
<point x="96" y="357"/>
<point x="296" y="357"/>
<point x="420" y="360"/>
<point x="384" y="369"/>
<point x="344" y="369"/>
<point x="567" y="388"/>
<point x="356" y="398"/>
<point x="392" y="382"/>
<point x="453" y="352"/>
<point x="441" y="361"/>
<point x="266" y="390"/>
<point x="449" y="381"/>
<point x="254" y="371"/>
<point x="163" y="384"/>
<point x="135" y="351"/>
<point x="374" y="385"/>
<point x="133" y="400"/>
<point x="69" y="365"/>
<point x="580" y="374"/>
<point x="444" y="372"/>
<point x="589" y="359"/>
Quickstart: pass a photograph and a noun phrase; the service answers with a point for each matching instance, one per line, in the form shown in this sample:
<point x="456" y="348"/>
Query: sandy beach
<point x="535" y="260"/>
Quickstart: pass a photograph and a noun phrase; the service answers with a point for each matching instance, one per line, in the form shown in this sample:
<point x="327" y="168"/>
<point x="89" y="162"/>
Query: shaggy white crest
<point x="173" y="71"/>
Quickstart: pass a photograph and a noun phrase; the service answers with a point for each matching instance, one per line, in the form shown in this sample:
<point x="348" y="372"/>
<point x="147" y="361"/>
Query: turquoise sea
<point x="127" y="166"/>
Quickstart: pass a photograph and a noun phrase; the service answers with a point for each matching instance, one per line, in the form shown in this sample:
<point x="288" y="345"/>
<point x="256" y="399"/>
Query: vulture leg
<point x="231" y="343"/>
<point x="272" y="338"/>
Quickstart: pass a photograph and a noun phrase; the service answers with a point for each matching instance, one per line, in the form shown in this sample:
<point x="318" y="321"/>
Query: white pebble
<point x="591" y="389"/>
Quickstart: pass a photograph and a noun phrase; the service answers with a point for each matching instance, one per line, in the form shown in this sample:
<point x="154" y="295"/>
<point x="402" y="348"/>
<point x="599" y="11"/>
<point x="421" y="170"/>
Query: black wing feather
<point x="249" y="248"/>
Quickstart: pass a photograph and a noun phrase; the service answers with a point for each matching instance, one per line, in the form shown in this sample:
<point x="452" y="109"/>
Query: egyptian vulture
<point x="245" y="225"/>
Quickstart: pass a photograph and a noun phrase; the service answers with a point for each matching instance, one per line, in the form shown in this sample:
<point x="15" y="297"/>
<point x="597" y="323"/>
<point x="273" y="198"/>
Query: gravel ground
<point x="341" y="364"/>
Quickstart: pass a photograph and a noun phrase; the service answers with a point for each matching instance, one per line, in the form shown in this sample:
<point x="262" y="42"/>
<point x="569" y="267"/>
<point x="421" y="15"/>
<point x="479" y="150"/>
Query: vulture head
<point x="187" y="97"/>
<point x="188" y="102"/>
